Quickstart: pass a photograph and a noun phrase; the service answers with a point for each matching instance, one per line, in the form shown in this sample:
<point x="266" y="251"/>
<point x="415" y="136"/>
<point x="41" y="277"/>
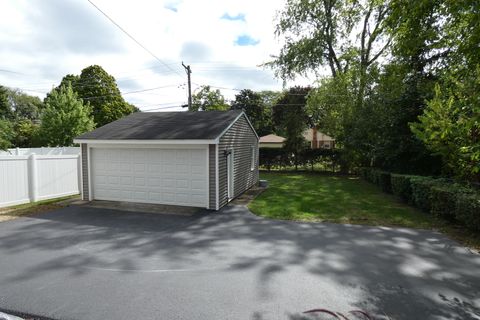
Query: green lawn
<point x="308" y="197"/>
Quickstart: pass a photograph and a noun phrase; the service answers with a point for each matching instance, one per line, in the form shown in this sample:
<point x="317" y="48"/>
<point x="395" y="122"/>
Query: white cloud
<point x="46" y="40"/>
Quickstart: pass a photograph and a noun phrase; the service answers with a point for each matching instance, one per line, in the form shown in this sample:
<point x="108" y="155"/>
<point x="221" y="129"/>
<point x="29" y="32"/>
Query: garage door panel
<point x="166" y="176"/>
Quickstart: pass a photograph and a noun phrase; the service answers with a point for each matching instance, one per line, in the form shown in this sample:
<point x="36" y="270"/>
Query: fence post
<point x="17" y="150"/>
<point x="32" y="178"/>
<point x="79" y="172"/>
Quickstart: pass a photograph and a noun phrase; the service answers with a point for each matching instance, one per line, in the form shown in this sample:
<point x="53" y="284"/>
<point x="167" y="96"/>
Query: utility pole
<point x="188" y="70"/>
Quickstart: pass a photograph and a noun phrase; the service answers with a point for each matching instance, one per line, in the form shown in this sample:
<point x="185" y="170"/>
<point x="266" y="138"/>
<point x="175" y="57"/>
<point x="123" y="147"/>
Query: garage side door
<point x="163" y="176"/>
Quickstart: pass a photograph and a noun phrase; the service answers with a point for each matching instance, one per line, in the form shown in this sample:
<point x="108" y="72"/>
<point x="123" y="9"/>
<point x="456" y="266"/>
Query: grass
<point x="340" y="199"/>
<point x="28" y="209"/>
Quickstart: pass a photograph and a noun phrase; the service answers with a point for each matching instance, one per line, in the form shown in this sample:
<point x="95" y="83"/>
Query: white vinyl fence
<point x="30" y="178"/>
<point x="40" y="151"/>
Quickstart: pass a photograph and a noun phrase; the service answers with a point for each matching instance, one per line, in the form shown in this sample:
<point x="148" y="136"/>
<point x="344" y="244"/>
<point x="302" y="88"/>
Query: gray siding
<point x="84" y="149"/>
<point x="212" y="177"/>
<point x="240" y="137"/>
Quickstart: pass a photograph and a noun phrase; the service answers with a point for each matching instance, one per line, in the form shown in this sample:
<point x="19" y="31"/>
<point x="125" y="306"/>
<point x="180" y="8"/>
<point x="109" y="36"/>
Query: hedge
<point x="439" y="197"/>
<point x="280" y="157"/>
<point x="421" y="193"/>
<point x="443" y="201"/>
<point x="402" y="187"/>
<point x="467" y="210"/>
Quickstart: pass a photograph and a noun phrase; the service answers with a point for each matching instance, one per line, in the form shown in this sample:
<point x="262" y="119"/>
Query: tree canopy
<point x="207" y="99"/>
<point x="65" y="117"/>
<point x="99" y="89"/>
<point x="255" y="107"/>
<point x="418" y="110"/>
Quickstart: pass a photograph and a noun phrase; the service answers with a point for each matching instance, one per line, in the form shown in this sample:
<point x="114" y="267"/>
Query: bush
<point x="440" y="197"/>
<point x="280" y="157"/>
<point x="363" y="172"/>
<point x="379" y="177"/>
<point x="401" y="186"/>
<point x="421" y="192"/>
<point x="273" y="157"/>
<point x="443" y="199"/>
<point x="384" y="181"/>
<point x="467" y="210"/>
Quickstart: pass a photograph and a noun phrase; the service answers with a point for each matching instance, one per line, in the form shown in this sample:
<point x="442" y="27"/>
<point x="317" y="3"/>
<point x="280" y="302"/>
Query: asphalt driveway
<point x="94" y="263"/>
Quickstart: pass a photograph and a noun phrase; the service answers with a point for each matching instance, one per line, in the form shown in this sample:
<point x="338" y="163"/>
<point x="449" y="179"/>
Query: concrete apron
<point x="141" y="207"/>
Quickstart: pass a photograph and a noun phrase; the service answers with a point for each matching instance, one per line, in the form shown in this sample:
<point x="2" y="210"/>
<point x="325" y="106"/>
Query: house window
<point x="253" y="158"/>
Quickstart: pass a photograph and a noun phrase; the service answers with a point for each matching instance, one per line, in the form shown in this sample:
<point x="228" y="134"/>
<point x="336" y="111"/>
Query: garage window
<point x="252" y="161"/>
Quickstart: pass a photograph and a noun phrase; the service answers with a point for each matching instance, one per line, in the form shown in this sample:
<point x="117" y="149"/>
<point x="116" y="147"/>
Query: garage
<point x="195" y="159"/>
<point x="151" y="175"/>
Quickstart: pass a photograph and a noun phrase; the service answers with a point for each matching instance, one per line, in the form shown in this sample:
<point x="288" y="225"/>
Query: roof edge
<point x="146" y="141"/>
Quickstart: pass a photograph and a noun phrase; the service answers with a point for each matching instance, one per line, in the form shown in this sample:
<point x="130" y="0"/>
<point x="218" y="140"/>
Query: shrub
<point x="467" y="210"/>
<point x="384" y="181"/>
<point x="443" y="200"/>
<point x="363" y="172"/>
<point x="401" y="186"/>
<point x="421" y="192"/>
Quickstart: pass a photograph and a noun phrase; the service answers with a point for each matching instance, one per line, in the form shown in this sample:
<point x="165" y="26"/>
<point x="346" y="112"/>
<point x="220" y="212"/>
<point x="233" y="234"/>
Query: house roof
<point x="165" y="126"/>
<point x="271" y="138"/>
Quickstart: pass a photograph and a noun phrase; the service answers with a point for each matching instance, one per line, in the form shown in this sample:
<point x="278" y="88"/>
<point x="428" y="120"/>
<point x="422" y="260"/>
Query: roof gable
<point x="271" y="138"/>
<point x="202" y="125"/>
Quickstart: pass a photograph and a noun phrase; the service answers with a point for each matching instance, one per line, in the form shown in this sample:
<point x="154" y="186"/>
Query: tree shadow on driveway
<point x="248" y="264"/>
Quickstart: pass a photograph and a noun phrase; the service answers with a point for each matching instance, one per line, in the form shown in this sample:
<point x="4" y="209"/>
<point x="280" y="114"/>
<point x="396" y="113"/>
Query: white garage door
<point x="164" y="176"/>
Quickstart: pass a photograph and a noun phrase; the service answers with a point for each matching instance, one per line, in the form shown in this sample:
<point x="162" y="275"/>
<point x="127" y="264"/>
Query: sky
<point x="224" y="41"/>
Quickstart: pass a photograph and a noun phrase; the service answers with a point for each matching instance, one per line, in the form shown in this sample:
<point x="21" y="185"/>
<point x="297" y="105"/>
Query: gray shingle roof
<point x="165" y="125"/>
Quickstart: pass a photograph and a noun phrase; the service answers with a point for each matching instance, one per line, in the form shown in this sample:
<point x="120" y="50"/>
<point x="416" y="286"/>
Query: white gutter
<point x="146" y="141"/>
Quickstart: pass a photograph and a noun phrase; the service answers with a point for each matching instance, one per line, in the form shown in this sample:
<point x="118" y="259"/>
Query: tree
<point x="25" y="106"/>
<point x="6" y="112"/>
<point x="208" y="100"/>
<point x="6" y="134"/>
<point x="26" y="134"/>
<point x="290" y="119"/>
<point x="319" y="33"/>
<point x="450" y="127"/>
<point x="99" y="89"/>
<point x="254" y="107"/>
<point x="65" y="117"/>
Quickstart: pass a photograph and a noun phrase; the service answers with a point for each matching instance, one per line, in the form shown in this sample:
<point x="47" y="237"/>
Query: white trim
<point x="147" y="146"/>
<point x="216" y="178"/>
<point x="146" y="141"/>
<point x="253" y="158"/>
<point x="89" y="164"/>
<point x="208" y="177"/>
<point x="81" y="173"/>
<point x="231" y="175"/>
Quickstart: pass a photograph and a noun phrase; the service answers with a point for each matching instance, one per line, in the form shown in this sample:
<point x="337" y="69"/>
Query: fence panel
<point x="57" y="176"/>
<point x="13" y="181"/>
<point x="31" y="178"/>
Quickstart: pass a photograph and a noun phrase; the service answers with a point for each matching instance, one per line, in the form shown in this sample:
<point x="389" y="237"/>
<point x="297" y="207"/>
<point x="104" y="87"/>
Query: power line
<point x="135" y="40"/>
<point x="14" y="72"/>
<point x="130" y="92"/>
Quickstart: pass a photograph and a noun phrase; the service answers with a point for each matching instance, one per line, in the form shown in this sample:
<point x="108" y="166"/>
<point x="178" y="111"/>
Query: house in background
<point x="196" y="159"/>
<point x="315" y="138"/>
<point x="318" y="140"/>
<point x="271" y="141"/>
